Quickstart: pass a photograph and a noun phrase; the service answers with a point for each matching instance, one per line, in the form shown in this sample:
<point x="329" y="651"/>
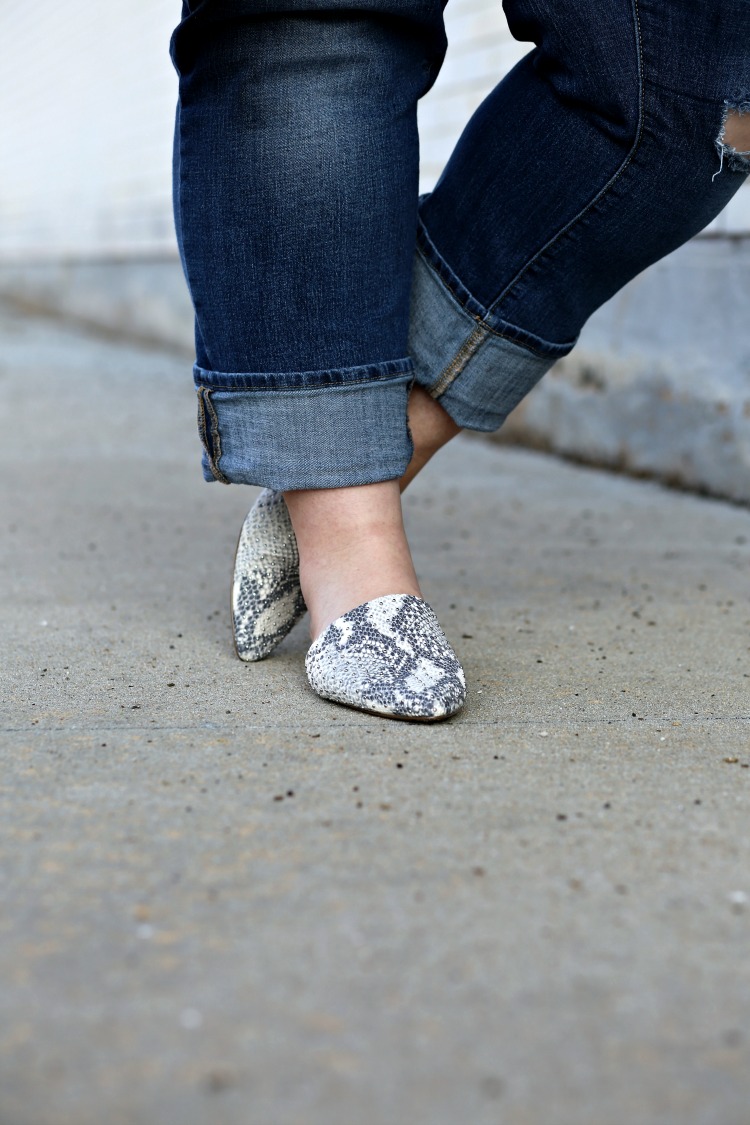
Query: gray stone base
<point x="659" y="384"/>
<point x="141" y="299"/>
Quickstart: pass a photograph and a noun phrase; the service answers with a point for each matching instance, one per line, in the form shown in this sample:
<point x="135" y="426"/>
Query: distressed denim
<point x="323" y="287"/>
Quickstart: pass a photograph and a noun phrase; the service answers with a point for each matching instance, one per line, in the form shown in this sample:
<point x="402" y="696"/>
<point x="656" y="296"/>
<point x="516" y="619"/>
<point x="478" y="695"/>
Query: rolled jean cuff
<point x="305" y="429"/>
<point x="477" y="366"/>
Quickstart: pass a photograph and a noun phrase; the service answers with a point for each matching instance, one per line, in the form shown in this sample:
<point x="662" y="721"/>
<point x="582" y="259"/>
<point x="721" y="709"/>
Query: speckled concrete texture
<point x="224" y="900"/>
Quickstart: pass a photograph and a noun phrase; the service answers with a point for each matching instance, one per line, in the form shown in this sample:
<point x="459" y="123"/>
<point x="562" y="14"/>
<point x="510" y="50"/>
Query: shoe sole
<point x="389" y="714"/>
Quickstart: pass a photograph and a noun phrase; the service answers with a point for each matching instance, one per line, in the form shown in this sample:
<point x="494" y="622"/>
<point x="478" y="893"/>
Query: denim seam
<point x="611" y="182"/>
<point x="212" y="442"/>
<point x="305" y="387"/>
<point x="450" y="373"/>
<point x="443" y="272"/>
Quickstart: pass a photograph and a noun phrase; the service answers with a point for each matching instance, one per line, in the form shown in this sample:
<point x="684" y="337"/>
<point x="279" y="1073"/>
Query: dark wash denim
<point x="323" y="287"/>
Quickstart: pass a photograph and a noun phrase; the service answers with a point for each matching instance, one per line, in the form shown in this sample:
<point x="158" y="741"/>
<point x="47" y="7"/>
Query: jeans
<point x="324" y="287"/>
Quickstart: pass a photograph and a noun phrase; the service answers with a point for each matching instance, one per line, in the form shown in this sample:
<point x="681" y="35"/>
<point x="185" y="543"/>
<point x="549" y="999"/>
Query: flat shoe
<point x="266" y="596"/>
<point x="388" y="656"/>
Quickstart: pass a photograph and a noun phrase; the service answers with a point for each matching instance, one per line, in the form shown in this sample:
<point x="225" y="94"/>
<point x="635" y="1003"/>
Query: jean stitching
<point x="450" y="373"/>
<point x="610" y="183"/>
<point x="211" y="441"/>
<point x="202" y="420"/>
<point x="400" y="378"/>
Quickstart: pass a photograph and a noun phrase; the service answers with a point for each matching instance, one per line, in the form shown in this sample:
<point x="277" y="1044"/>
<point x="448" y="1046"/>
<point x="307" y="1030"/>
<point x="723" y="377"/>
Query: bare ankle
<point x="352" y="548"/>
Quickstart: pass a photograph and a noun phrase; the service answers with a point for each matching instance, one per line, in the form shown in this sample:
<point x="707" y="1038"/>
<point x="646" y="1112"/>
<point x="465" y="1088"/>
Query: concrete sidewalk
<point x="223" y="900"/>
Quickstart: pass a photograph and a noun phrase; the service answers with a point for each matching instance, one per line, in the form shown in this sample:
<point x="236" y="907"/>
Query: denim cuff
<point x="473" y="363"/>
<point x="309" y="429"/>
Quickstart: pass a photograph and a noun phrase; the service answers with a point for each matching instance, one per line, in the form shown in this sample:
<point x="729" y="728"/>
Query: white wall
<point x="480" y="51"/>
<point x="87" y="93"/>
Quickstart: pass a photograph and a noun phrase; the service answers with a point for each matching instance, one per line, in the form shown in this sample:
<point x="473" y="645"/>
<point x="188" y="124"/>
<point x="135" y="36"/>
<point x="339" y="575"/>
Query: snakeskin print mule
<point x="388" y="656"/>
<point x="266" y="596"/>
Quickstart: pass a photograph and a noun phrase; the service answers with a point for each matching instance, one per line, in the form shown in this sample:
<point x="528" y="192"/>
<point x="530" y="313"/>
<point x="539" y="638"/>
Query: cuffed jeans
<point x="323" y="287"/>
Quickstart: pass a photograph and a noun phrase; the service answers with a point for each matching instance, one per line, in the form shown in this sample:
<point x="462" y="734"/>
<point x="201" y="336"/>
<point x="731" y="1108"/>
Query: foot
<point x="266" y="596"/>
<point x="352" y="547"/>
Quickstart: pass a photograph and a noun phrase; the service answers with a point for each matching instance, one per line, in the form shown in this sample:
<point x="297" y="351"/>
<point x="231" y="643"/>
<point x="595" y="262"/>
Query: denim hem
<point x="491" y="320"/>
<point x="305" y="429"/>
<point x="293" y="380"/>
<point x="477" y="373"/>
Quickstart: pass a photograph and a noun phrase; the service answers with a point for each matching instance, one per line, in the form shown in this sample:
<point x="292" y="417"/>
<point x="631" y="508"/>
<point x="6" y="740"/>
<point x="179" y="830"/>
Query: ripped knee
<point x="733" y="141"/>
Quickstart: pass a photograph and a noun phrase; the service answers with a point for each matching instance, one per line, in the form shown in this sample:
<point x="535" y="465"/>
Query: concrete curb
<point x="659" y="384"/>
